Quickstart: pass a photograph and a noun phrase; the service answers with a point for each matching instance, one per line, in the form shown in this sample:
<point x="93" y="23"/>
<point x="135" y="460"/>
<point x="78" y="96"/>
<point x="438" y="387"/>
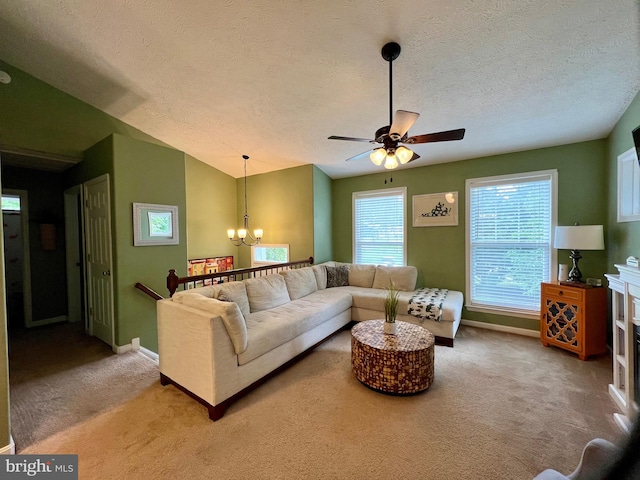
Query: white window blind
<point x="379" y="227"/>
<point x="510" y="224"/>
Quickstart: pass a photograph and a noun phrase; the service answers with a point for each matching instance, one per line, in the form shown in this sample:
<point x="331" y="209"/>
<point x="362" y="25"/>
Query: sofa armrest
<point x="195" y="351"/>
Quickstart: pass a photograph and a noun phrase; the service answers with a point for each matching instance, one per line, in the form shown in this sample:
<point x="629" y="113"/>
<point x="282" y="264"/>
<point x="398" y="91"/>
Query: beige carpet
<point x="501" y="407"/>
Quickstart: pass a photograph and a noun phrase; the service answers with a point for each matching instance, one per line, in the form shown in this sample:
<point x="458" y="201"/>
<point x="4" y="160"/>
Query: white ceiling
<point x="274" y="78"/>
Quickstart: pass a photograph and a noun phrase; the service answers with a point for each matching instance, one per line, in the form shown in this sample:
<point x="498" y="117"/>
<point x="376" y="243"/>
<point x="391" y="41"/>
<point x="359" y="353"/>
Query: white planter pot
<point x="390" y="328"/>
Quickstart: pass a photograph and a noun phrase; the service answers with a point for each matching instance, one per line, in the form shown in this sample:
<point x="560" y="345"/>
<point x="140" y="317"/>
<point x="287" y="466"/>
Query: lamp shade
<point x="579" y="237"/>
<point x="378" y="156"/>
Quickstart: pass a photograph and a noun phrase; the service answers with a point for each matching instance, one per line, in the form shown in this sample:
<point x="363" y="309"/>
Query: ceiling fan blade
<point x="402" y="122"/>
<point x="359" y="156"/>
<point x="351" y="139"/>
<point x="437" y="137"/>
<point x="415" y="157"/>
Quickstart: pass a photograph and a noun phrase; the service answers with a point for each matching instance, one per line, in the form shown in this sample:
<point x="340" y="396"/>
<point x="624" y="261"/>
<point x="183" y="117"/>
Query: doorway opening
<point x="15" y="219"/>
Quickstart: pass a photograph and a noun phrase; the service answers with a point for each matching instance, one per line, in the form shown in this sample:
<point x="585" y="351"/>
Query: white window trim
<point x="258" y="263"/>
<point x="628" y="186"/>
<point x="553" y="257"/>
<point x="375" y="193"/>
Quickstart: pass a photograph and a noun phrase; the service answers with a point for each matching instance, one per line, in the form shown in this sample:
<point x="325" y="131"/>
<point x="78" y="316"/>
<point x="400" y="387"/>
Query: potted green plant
<point x="391" y="310"/>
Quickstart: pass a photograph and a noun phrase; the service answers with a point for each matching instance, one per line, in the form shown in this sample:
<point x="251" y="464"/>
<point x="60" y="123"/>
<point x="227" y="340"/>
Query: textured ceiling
<point x="273" y="79"/>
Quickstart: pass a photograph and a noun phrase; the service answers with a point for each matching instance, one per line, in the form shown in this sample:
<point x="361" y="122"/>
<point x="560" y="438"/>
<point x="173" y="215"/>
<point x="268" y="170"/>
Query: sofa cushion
<point x="300" y="282"/>
<point x="228" y="292"/>
<point x="269" y="329"/>
<point x="233" y="292"/>
<point x="361" y="275"/>
<point x="266" y="292"/>
<point x="403" y="278"/>
<point x="320" y="272"/>
<point x="230" y="313"/>
<point x="337" y="276"/>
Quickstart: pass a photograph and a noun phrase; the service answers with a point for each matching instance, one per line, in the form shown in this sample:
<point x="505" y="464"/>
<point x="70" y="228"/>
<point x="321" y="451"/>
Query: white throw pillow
<point x="266" y="292"/>
<point x="229" y="312"/>
<point x="300" y="282"/>
<point x="404" y="278"/>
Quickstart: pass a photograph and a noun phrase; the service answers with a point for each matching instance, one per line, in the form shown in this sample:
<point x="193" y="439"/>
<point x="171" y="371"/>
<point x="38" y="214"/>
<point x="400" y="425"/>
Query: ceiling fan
<point x="391" y="135"/>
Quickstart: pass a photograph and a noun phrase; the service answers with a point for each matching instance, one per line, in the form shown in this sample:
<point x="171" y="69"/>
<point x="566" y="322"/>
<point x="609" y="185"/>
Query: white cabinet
<point x="625" y="314"/>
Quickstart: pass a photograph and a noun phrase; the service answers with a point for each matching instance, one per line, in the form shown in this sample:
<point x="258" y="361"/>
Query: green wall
<point x="623" y="239"/>
<point x="439" y="252"/>
<point x="281" y="203"/>
<point x="211" y="210"/>
<point x="131" y="164"/>
<point x="143" y="173"/>
<point x="322" y="231"/>
<point x="40" y="117"/>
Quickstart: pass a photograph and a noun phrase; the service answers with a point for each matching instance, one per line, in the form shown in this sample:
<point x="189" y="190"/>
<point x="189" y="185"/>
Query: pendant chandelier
<point x="244" y="237"/>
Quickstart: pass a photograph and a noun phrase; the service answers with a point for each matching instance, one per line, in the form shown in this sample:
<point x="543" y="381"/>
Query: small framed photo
<point x="155" y="224"/>
<point x="435" y="209"/>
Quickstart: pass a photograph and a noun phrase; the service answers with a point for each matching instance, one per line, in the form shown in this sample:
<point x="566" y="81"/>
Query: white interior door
<point x="98" y="259"/>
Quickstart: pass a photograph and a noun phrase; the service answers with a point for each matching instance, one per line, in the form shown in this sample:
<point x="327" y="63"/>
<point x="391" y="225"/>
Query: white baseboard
<point x="502" y="328"/>
<point x="135" y="346"/>
<point x="148" y="353"/>
<point x="122" y="348"/>
<point x="9" y="449"/>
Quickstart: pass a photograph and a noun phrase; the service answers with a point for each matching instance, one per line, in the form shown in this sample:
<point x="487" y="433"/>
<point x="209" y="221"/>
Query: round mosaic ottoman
<point x="400" y="364"/>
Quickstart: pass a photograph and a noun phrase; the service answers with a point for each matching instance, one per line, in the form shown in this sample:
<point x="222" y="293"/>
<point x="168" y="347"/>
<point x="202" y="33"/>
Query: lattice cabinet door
<point x="573" y="318"/>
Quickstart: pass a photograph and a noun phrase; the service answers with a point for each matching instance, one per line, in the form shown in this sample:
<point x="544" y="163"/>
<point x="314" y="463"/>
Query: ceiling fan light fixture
<point x="391" y="162"/>
<point x="403" y="154"/>
<point x="378" y="156"/>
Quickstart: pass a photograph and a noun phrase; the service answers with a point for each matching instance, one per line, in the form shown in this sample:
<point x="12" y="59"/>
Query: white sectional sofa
<point x="217" y="342"/>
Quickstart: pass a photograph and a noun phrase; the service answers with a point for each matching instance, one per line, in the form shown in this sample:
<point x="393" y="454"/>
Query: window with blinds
<point x="510" y="221"/>
<point x="379" y="227"/>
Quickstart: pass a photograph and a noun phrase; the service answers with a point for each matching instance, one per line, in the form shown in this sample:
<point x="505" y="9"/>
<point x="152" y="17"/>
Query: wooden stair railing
<point x="173" y="281"/>
<point x="153" y="294"/>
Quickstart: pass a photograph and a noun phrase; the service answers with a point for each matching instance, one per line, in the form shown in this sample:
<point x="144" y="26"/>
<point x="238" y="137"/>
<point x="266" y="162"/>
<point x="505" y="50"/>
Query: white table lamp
<point x="576" y="238"/>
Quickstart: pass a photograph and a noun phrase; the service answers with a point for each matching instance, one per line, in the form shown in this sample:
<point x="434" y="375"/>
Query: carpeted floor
<point x="501" y="407"/>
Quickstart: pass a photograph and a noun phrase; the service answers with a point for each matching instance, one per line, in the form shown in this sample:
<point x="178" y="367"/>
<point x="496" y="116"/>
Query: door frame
<point x="74" y="238"/>
<point x="26" y="261"/>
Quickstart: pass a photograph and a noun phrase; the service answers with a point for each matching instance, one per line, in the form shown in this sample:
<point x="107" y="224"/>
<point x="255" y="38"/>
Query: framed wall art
<point x="435" y="209"/>
<point x="155" y="224"/>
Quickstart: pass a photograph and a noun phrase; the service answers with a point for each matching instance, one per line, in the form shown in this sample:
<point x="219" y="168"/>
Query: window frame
<point x="261" y="263"/>
<point x="470" y="183"/>
<point x="402" y="191"/>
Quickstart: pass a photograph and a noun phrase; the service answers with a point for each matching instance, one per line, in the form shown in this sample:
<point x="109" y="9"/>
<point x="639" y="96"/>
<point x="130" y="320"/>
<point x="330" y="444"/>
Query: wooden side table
<point x="399" y="364"/>
<point x="574" y="318"/>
